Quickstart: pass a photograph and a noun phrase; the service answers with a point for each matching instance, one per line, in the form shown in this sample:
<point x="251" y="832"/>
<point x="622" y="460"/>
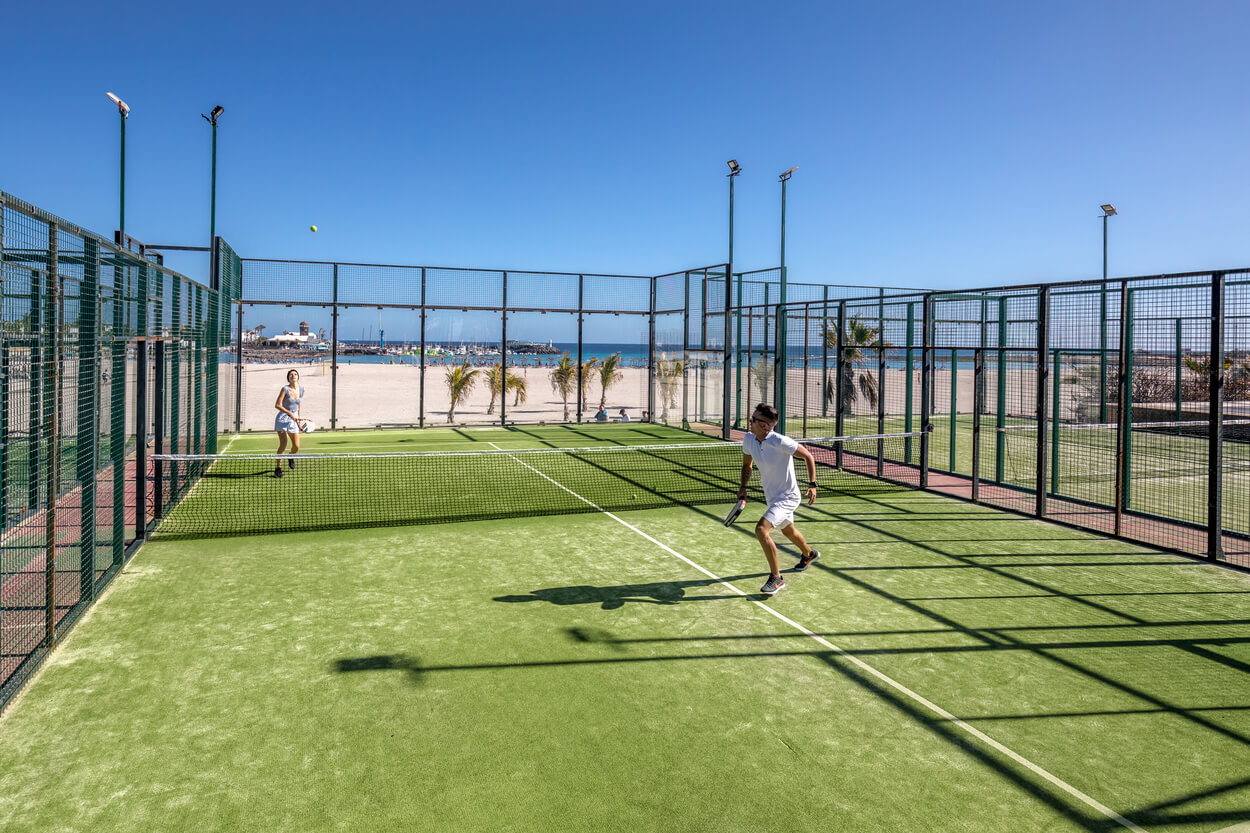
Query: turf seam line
<point x="880" y="675"/>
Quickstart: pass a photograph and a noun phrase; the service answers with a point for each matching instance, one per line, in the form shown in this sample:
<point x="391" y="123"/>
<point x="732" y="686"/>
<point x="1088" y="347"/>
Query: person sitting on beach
<point x="287" y="421"/>
<point x="601" y="415"/>
<point x="622" y="416"/>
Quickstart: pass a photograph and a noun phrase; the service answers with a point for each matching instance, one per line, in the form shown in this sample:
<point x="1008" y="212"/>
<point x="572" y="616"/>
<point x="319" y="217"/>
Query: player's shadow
<point x="616" y="596"/>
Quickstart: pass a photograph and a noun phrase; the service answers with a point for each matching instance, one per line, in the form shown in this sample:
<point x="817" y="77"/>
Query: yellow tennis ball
<point x="312" y="228"/>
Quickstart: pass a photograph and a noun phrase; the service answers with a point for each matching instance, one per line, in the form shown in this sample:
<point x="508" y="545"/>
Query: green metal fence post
<point x="953" y="429"/>
<point x="1215" y="440"/>
<point x="1000" y="419"/>
<point x="1054" y="424"/>
<point x="51" y="430"/>
<point x="1179" y="363"/>
<point x="88" y="437"/>
<point x="35" y="404"/>
<point x="117" y="408"/>
<point x="910" y="371"/>
<point x="1043" y="372"/>
<point x="1126" y="405"/>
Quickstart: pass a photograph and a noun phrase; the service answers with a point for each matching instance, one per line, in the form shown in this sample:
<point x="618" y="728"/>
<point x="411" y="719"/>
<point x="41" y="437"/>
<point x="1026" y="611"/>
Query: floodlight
<point x="1108" y="210"/>
<point x="122" y="107"/>
<point x="734" y="167"/>
<point x="788" y="173"/>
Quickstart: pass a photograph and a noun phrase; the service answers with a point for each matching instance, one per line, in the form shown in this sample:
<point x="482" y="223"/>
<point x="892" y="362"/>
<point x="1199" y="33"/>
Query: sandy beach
<point x="377" y="395"/>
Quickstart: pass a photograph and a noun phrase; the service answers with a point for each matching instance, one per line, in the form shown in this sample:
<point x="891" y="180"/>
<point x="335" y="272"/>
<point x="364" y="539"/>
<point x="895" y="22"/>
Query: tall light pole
<point x="1108" y="210"/>
<point x="782" y="357"/>
<point x="124" y="110"/>
<point x="212" y="210"/>
<point x="734" y="170"/>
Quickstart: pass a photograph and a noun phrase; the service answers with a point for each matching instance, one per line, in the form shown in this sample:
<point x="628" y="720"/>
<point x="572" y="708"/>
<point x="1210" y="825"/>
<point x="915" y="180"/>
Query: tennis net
<point x="237" y="494"/>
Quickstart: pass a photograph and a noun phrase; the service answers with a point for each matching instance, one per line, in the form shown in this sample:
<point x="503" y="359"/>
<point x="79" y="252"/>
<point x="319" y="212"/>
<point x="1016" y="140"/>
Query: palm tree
<point x="519" y="386"/>
<point x="608" y="375"/>
<point x="498" y="385"/>
<point x="494" y="378"/>
<point x="460" y="380"/>
<point x="858" y="336"/>
<point x="563" y="380"/>
<point x="587" y="378"/>
<point x="762" y="372"/>
<point x="667" y="372"/>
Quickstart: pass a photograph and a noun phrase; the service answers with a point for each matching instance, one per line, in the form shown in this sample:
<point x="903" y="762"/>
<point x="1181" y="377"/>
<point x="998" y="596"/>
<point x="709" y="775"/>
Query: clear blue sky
<point x="940" y="144"/>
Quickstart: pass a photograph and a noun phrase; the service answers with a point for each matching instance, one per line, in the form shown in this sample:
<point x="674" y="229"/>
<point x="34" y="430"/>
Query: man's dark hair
<point x="768" y="412"/>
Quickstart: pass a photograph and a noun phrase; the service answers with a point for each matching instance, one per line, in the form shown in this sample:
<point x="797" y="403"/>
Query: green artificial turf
<point x="567" y="673"/>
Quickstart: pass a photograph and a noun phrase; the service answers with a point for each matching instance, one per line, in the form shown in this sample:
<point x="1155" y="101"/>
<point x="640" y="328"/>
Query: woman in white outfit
<point x="287" y="421"/>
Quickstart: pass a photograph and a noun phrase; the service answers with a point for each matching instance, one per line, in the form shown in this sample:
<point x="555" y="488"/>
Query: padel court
<point x="942" y="666"/>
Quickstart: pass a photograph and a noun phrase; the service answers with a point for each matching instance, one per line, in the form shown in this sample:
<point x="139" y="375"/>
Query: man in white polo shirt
<point x="773" y="453"/>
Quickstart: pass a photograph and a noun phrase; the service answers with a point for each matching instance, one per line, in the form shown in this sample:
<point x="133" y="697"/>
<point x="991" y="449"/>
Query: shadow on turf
<point x="616" y="596"/>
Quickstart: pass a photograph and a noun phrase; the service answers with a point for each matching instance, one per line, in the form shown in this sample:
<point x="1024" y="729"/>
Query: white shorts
<point x="780" y="513"/>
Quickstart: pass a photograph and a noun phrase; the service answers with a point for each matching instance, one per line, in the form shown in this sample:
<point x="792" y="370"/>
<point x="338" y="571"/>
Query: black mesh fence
<point x="381" y="346"/>
<point x="1119" y="406"/>
<point x="105" y="358"/>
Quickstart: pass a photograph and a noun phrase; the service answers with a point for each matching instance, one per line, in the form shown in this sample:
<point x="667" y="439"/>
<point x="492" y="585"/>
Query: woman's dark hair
<point x="292" y="370"/>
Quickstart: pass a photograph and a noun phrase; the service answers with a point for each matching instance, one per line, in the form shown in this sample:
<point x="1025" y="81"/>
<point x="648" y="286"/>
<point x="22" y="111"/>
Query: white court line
<point x="890" y="681"/>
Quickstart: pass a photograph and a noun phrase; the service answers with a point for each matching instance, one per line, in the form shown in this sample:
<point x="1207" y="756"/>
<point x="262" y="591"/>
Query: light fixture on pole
<point x="734" y="170"/>
<point x="1108" y="210"/>
<point x="212" y="211"/>
<point x="782" y="357"/>
<point x="123" y="110"/>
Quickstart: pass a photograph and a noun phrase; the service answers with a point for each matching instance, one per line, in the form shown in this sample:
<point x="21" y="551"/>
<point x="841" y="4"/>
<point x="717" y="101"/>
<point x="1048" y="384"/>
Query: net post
<point x="926" y="386"/>
<point x="51" y="431"/>
<point x="238" y="372"/>
<point x="727" y="374"/>
<point x="334" y="346"/>
<point x="1043" y="378"/>
<point x="839" y="396"/>
<point x="141" y="436"/>
<point x="1215" y="434"/>
<point x="158" y="425"/>
<point x="1122" y="387"/>
<point x="978" y="400"/>
<point x="503" y="356"/>
<point x="421" y="360"/>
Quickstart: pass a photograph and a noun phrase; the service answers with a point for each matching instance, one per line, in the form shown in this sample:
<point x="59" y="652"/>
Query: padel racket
<point x="735" y="512"/>
<point x="307" y="426"/>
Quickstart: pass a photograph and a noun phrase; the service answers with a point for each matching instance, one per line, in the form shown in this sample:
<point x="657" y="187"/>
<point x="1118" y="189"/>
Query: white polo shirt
<point x="775" y="459"/>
